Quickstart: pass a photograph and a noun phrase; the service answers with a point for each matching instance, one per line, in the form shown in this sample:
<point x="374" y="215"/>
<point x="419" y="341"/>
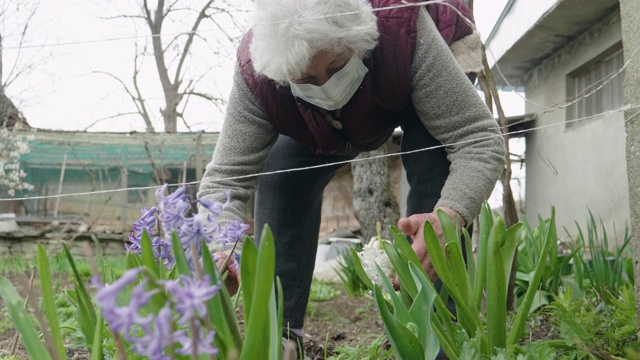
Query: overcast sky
<point x="69" y="90"/>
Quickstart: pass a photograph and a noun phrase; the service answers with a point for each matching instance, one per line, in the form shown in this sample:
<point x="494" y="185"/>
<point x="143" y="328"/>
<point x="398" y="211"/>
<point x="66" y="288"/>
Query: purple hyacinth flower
<point x="145" y="223"/>
<point x="122" y="318"/>
<point x="108" y="294"/>
<point x="235" y="265"/>
<point x="191" y="296"/>
<point x="196" y="230"/>
<point x="96" y="282"/>
<point x="204" y="342"/>
<point x="233" y="231"/>
<point x="157" y="335"/>
<point x="215" y="208"/>
<point x="172" y="208"/>
<point x="165" y="252"/>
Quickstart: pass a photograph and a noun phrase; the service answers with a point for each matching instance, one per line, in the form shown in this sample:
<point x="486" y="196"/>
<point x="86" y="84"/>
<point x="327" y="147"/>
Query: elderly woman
<point x="318" y="82"/>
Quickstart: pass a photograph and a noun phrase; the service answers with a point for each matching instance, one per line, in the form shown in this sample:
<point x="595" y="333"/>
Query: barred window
<point x="597" y="85"/>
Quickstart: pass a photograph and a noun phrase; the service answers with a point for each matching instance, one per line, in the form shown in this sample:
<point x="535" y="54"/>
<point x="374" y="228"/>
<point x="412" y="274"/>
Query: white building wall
<point x="579" y="168"/>
<point x="521" y="16"/>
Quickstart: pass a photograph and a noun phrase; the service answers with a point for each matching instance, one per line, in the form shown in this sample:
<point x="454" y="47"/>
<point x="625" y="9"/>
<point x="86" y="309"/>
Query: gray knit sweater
<point x="444" y="99"/>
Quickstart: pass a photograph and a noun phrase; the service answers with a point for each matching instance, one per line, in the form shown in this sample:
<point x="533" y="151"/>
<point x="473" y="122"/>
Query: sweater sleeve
<point x="241" y="151"/>
<point x="453" y="112"/>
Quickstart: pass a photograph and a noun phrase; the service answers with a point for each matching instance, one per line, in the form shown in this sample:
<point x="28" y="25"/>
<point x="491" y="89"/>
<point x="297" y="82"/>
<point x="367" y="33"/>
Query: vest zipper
<point x="348" y="147"/>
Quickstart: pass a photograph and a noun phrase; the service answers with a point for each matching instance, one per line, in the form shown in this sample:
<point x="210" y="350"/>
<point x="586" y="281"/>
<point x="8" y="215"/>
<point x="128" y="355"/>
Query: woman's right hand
<point x="232" y="282"/>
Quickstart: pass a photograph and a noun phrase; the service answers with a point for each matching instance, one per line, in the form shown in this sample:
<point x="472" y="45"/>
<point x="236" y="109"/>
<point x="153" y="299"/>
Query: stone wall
<point x="24" y="244"/>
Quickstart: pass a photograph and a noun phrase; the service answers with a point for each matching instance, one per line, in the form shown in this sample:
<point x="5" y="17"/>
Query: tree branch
<point x="109" y="118"/>
<point x="201" y="95"/>
<point x="137" y="98"/>
<point x="23" y="35"/>
<point x="201" y="16"/>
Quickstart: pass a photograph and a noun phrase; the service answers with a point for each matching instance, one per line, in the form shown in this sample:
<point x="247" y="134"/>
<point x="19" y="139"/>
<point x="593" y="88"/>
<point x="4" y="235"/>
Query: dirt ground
<point x="341" y="321"/>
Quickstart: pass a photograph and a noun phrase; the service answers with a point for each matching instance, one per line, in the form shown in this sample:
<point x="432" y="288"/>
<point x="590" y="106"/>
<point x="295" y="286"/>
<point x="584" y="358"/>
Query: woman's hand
<point x="414" y="227"/>
<point x="232" y="282"/>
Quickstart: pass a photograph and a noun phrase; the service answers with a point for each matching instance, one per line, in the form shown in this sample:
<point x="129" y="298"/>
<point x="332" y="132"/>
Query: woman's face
<point x="322" y="66"/>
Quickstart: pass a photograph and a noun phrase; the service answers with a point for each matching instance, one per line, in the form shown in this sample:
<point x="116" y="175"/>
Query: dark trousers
<point x="290" y="203"/>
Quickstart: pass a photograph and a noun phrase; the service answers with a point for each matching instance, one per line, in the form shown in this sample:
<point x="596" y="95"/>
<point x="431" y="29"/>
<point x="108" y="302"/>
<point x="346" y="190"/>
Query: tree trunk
<point x="10" y="116"/>
<point x="630" y="15"/>
<point x="373" y="200"/>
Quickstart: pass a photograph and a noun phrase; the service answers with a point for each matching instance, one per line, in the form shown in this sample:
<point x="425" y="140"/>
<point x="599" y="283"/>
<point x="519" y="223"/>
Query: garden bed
<point x="332" y="321"/>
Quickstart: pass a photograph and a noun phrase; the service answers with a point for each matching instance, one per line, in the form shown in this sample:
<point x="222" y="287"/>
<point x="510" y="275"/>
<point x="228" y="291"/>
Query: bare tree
<point x="172" y="58"/>
<point x="15" y="21"/>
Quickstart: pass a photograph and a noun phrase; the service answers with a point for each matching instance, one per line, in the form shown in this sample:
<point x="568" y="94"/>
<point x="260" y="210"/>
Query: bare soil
<point x="342" y="321"/>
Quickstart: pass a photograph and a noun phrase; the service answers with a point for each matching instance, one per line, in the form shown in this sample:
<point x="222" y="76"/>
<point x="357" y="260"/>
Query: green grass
<point x="5" y="321"/>
<point x="59" y="264"/>
<point x="372" y="351"/>
<point x="14" y="264"/>
<point x="323" y="291"/>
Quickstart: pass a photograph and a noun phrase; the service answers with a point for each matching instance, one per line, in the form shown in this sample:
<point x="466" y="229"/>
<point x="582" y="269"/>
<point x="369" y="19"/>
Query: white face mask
<point x="338" y="90"/>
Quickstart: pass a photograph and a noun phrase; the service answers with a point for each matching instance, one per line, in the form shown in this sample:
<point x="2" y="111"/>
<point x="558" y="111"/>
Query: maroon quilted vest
<point x="447" y="18"/>
<point x="374" y="111"/>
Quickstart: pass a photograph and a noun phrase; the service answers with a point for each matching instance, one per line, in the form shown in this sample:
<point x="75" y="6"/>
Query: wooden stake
<point x="64" y="165"/>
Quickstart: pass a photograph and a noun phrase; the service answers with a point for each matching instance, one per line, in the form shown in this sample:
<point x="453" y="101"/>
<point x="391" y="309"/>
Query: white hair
<point x="288" y="33"/>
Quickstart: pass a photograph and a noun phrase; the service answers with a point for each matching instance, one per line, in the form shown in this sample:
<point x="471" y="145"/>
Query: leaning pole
<point x="630" y="15"/>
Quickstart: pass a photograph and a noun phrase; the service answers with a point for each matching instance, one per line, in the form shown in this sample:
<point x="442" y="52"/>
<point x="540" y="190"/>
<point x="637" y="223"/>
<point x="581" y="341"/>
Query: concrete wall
<point x="582" y="167"/>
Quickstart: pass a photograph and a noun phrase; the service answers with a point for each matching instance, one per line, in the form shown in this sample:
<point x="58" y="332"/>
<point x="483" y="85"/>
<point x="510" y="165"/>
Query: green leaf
<point x="400" y="311"/>
<point x="540" y="299"/>
<point x="274" y="332"/>
<point x="448" y="227"/>
<point x="248" y="271"/>
<point x="404" y="249"/>
<point x="471" y="262"/>
<point x="469" y="319"/>
<point x="435" y="253"/>
<point x="453" y="253"/>
<point x="257" y="328"/>
<point x="182" y="264"/>
<point x="131" y="261"/>
<point x="405" y="344"/>
<point x="148" y="260"/>
<point x="485" y="225"/>
<point x="401" y="268"/>
<point x="508" y="249"/>
<point x="422" y="310"/>
<point x="86" y="312"/>
<point x="96" y="347"/>
<point x="150" y="263"/>
<point x="550" y="239"/>
<point x="221" y="312"/>
<point x="446" y="338"/>
<point x="280" y="311"/>
<point x="496" y="289"/>
<point x="571" y="329"/>
<point x="48" y="302"/>
<point x="357" y="265"/>
<point x="22" y="321"/>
